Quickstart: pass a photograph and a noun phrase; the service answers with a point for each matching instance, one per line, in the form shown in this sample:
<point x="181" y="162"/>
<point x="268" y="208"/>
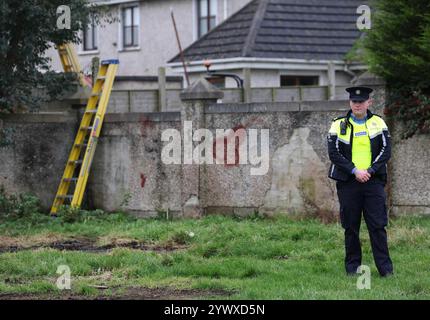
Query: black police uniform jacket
<point x="340" y="140"/>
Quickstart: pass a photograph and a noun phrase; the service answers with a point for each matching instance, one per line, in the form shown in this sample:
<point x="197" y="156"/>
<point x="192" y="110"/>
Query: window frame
<point x="134" y="24"/>
<point x="207" y="19"/>
<point x="94" y="35"/>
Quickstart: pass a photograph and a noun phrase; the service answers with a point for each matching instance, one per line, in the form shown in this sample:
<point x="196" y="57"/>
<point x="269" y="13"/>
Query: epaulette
<point x="334" y="119"/>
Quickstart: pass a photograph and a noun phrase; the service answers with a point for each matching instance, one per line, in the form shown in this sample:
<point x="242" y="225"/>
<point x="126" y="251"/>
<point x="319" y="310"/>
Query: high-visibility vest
<point x="361" y="152"/>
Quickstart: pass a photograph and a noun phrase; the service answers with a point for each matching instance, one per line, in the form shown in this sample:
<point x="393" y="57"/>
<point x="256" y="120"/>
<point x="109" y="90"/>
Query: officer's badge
<point x="361" y="133"/>
<point x="357" y="92"/>
<point x="374" y="124"/>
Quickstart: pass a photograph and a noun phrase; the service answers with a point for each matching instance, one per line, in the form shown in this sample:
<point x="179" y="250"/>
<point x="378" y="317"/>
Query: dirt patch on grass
<point x="132" y="293"/>
<point x="88" y="245"/>
<point x="11" y="244"/>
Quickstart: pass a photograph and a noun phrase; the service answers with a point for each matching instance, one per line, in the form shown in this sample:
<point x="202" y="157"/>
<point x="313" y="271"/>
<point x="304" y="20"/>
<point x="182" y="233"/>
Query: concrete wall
<point x="128" y="162"/>
<point x="410" y="172"/>
<point x="38" y="152"/>
<point x="296" y="180"/>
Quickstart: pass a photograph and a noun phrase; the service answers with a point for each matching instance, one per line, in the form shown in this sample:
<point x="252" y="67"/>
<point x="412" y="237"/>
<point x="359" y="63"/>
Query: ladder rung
<point x="75" y="161"/>
<point x="101" y="78"/>
<point x="97" y="94"/>
<point x="81" y="145"/>
<point x="65" y="196"/>
<point x="70" y="179"/>
<point x="87" y="128"/>
<point x="91" y="111"/>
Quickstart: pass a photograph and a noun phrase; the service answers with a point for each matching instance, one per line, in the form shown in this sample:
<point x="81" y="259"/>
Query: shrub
<point x="24" y="206"/>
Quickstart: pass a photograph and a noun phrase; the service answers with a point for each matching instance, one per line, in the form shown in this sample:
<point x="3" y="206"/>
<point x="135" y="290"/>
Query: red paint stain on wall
<point x="246" y="124"/>
<point x="145" y="124"/>
<point x="238" y="141"/>
<point x="142" y="180"/>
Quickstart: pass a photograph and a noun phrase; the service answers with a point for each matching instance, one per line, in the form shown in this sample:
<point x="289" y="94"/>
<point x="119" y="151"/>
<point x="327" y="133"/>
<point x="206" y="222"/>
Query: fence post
<point x="247" y="96"/>
<point x="331" y="72"/>
<point x="129" y="100"/>
<point x="162" y="95"/>
<point x="194" y="101"/>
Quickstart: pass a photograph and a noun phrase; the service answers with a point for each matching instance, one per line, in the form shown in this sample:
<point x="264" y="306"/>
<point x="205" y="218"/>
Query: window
<point x="289" y="81"/>
<point x="206" y="15"/>
<point x="90" y="35"/>
<point x="130" y="27"/>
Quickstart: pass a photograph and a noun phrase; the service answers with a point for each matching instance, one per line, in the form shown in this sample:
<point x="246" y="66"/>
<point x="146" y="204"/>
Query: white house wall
<point x="265" y="78"/>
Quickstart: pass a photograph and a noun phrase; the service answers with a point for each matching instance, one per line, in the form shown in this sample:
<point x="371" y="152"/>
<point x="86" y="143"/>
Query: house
<point x="143" y="37"/>
<point x="281" y="43"/>
<point x="270" y="43"/>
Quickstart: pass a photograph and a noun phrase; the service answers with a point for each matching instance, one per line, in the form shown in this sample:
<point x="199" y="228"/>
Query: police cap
<point x="359" y="93"/>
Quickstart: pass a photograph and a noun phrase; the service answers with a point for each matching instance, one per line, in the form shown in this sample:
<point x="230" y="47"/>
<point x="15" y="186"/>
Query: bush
<point x="26" y="207"/>
<point x="68" y="214"/>
<point x="23" y="206"/>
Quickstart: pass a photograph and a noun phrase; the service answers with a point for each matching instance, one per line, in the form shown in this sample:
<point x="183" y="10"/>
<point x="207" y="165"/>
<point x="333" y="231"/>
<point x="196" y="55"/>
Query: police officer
<point x="359" y="148"/>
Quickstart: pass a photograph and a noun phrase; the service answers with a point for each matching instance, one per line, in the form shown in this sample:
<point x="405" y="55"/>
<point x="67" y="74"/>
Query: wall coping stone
<point x="138" y="116"/>
<point x="201" y="90"/>
<point x="40" y="117"/>
<point x="252" y="107"/>
<point x="330" y="105"/>
<point x="321" y="106"/>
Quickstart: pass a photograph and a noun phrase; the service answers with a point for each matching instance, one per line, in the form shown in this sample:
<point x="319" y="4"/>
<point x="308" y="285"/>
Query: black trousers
<point x="369" y="199"/>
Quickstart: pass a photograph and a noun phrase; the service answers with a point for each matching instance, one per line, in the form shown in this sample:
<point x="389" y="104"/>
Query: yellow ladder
<point x="86" y="139"/>
<point x="70" y="62"/>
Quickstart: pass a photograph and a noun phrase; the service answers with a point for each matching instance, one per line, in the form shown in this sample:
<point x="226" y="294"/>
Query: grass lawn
<point x="214" y="257"/>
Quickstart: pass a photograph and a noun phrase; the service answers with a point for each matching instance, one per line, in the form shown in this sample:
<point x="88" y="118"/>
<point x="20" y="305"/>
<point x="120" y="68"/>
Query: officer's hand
<point x="362" y="176"/>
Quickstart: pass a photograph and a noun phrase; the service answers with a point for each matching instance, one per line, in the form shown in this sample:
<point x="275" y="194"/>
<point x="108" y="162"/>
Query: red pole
<point x="180" y="48"/>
